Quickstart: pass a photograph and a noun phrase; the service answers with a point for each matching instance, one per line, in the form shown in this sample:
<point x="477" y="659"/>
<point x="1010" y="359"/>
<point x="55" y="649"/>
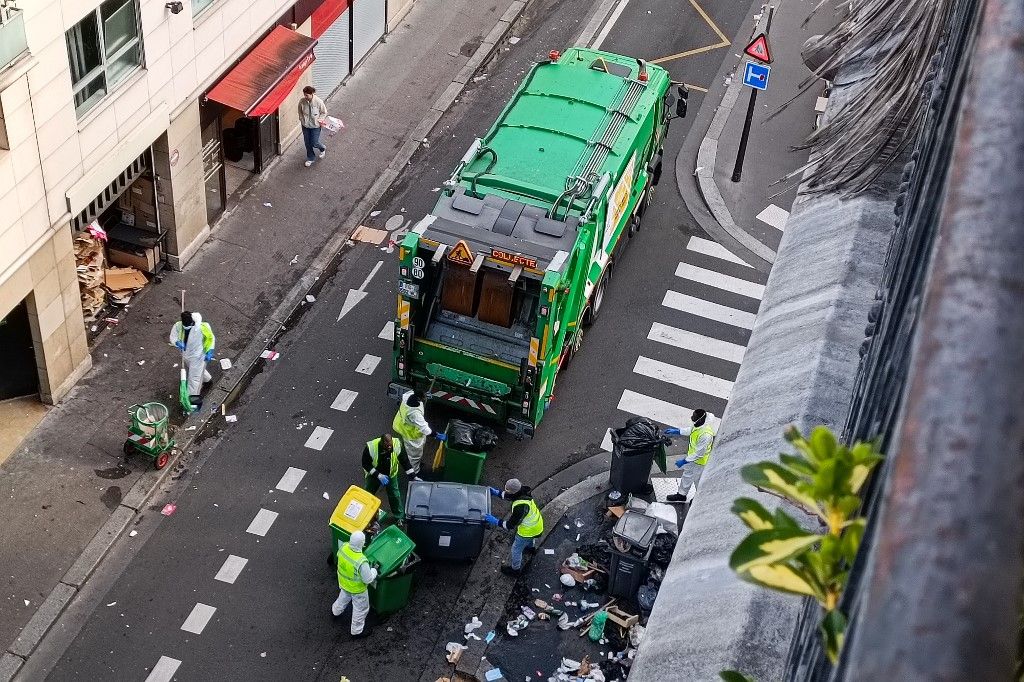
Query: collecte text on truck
<point x="497" y="283"/>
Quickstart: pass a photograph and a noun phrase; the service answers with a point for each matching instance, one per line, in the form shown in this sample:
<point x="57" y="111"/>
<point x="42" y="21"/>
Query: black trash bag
<point x="641" y="434"/>
<point x="471" y="437"/>
<point x="645" y="597"/>
<point x="661" y="553"/>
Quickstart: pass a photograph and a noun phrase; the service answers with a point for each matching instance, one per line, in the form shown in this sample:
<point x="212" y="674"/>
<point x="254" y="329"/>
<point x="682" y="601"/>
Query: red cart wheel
<point x="162" y="459"/>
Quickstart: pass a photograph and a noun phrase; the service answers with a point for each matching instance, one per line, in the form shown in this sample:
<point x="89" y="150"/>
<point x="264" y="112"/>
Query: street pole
<point x="737" y="170"/>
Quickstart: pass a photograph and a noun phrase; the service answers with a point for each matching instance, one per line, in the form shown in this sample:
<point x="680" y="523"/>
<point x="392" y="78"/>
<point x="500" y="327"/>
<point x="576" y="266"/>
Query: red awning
<point x="265" y="77"/>
<point x="326" y="14"/>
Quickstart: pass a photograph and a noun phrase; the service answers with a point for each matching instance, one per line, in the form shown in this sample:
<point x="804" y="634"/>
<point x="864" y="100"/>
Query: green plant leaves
<point x="783" y="578"/>
<point x="734" y="676"/>
<point x="778" y="479"/>
<point x="753" y="514"/>
<point x="776" y="545"/>
<point x="833" y="633"/>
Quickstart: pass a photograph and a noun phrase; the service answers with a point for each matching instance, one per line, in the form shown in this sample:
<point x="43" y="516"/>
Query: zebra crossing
<point x="696" y="342"/>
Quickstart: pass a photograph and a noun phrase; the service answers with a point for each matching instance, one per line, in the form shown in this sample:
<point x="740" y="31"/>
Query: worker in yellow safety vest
<point x="354" y="573"/>
<point x="525" y="519"/>
<point x="383" y="458"/>
<point x="702" y="438"/>
<point x="411" y="426"/>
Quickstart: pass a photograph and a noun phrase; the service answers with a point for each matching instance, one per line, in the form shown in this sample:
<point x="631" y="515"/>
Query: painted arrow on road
<point x="354" y="296"/>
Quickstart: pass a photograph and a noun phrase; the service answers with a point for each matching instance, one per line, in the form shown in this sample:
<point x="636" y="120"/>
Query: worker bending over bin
<point x="383" y="458"/>
<point x="525" y="520"/>
<point x="411" y="426"/>
<point x="354" y="574"/>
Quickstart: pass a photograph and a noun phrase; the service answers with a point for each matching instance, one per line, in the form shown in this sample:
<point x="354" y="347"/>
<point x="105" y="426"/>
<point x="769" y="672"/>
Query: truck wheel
<point x="641" y="210"/>
<point x="597" y="298"/>
<point x="574" y="347"/>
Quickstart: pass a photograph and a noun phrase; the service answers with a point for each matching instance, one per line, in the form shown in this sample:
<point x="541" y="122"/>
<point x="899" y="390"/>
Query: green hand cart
<point x="149" y="433"/>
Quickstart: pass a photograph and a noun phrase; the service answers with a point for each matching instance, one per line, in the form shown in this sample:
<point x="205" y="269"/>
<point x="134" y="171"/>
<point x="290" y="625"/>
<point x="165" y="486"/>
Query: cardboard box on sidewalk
<point x="145" y="259"/>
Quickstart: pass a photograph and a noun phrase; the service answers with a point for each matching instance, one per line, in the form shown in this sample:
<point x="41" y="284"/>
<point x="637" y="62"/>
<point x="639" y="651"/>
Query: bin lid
<point x="445" y="500"/>
<point x="390" y="549"/>
<point x="637" y="529"/>
<point x="355" y="511"/>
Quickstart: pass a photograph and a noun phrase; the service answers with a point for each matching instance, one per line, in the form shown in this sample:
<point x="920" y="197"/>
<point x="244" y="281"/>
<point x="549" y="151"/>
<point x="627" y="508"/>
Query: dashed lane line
<point x="709" y="310"/>
<point x="198" y="619"/>
<point x="697" y="343"/>
<point x="683" y="377"/>
<point x="164" y="670"/>
<point x="231" y="569"/>
<point x="344" y="400"/>
<point x="714" y="249"/>
<point x="262" y="522"/>
<point x="318" y="439"/>
<point x="291" y="479"/>
<point x="368" y="364"/>
<point x="720" y="281"/>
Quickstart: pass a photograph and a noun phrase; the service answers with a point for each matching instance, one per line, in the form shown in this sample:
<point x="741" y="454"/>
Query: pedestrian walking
<point x="702" y="438"/>
<point x="195" y="339"/>
<point x="312" y="113"/>
<point x="525" y="520"/>
<point x="354" y="573"/>
<point x="383" y="458"/>
<point x="411" y="426"/>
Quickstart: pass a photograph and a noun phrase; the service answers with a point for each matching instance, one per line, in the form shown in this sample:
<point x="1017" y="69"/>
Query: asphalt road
<point x="273" y="621"/>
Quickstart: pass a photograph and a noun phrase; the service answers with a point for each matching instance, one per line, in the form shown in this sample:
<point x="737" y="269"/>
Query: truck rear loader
<point x="497" y="283"/>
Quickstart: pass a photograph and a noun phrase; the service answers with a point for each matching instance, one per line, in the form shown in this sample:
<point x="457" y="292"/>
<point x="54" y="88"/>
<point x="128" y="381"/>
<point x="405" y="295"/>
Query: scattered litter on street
<point x="133" y="533"/>
<point x="549" y="551"/>
<point x="294" y="260"/>
<point x="472" y="625"/>
<point x="225" y="363"/>
<point x="270" y="355"/>
<point x="513" y="40"/>
<point x="310" y="298"/>
<point x="268" y="204"/>
<point x="168" y="509"/>
<point x="454" y="652"/>
<point x="493" y="674"/>
<point x="140" y="363"/>
<point x="326" y="496"/>
<point x="369" y="235"/>
<point x="113" y="603"/>
<point x="230" y="418"/>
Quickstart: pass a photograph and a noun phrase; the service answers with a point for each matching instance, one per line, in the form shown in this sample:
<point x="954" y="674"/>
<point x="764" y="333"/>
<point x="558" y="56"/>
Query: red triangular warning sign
<point x="758" y="49"/>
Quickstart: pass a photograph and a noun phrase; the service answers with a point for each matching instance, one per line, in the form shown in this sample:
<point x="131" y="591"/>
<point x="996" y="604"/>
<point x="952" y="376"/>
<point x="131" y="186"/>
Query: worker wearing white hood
<point x="195" y="339"/>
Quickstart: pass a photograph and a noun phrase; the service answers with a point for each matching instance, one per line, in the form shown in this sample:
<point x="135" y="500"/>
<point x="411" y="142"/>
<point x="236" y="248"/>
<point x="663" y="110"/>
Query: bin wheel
<point x="161" y="460"/>
<point x="129" y="448"/>
<point x="331" y="559"/>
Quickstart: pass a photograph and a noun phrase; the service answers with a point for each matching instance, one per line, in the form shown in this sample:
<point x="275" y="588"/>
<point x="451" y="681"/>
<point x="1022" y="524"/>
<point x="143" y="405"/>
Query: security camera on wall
<point x="175" y="7"/>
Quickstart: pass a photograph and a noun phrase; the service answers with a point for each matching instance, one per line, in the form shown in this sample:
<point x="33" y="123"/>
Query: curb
<point x="719" y="223"/>
<point x="227" y="389"/>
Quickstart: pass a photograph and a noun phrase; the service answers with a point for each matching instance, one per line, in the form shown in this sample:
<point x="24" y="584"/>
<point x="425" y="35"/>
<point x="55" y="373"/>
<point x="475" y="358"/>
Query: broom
<point x="183" y="397"/>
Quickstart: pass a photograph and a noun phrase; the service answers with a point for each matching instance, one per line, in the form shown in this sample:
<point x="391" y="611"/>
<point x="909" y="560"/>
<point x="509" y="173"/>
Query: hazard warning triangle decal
<point x="758" y="49"/>
<point x="461" y="254"/>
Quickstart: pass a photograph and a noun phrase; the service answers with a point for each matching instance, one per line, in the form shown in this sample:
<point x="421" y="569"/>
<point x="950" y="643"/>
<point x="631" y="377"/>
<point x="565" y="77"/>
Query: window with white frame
<point x="104" y="48"/>
<point x="199" y="5"/>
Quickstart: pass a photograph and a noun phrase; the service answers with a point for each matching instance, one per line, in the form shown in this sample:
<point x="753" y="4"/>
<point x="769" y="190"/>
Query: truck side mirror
<point x="684" y="95"/>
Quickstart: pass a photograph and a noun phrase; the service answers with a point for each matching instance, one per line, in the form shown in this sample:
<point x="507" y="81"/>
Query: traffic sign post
<point x="755" y="77"/>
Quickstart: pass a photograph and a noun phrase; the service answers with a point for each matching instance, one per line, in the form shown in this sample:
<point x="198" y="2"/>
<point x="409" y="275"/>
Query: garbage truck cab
<point x="498" y="281"/>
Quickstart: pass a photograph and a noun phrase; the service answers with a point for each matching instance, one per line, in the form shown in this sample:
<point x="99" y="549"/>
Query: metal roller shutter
<point x="332" y="57"/>
<point x="368" y="22"/>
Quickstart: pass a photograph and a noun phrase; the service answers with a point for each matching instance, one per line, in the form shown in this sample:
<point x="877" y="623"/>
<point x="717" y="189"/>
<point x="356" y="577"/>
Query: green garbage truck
<point x="497" y="283"/>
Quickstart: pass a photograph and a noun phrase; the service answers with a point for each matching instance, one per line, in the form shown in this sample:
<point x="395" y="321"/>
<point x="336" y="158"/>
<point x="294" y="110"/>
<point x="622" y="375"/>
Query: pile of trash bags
<point x="471" y="437"/>
<point x="641" y="434"/>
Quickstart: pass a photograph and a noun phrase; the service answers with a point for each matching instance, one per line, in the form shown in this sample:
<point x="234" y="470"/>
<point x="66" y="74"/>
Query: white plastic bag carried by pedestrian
<point x="332" y="124"/>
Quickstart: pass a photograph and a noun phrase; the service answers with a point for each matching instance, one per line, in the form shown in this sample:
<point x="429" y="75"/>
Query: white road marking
<point x="344" y="400"/>
<point x="682" y="377"/>
<point x="354" y="296"/>
<point x="652" y="408"/>
<point x="228" y="573"/>
<point x="198" y="619"/>
<point x="714" y="249"/>
<point x="609" y="24"/>
<point x="720" y="281"/>
<point x="606" y="444"/>
<point x="368" y="364"/>
<point x="164" y="670"/>
<point x="318" y="439"/>
<point x="291" y="479"/>
<point x="262" y="522"/>
<point x="388" y="332"/>
<point x="709" y="310"/>
<point x="698" y="343"/>
<point x="774" y="216"/>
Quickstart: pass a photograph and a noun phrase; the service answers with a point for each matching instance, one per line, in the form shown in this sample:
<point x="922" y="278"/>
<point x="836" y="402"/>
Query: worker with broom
<point x="195" y="339"/>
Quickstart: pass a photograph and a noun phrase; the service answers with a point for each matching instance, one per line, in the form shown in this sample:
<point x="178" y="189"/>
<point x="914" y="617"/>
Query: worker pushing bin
<point x="392" y="553"/>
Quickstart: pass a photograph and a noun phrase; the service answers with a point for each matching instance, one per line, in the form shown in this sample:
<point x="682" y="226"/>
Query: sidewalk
<point x="68" y="481"/>
<point x="748" y="216"/>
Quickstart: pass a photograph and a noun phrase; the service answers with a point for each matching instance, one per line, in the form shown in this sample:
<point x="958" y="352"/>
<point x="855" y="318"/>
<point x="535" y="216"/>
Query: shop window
<point x="104" y="48"/>
<point x="199" y="6"/>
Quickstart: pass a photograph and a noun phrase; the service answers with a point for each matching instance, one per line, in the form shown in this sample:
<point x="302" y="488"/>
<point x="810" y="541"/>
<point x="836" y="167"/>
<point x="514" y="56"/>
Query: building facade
<point x="126" y="126"/>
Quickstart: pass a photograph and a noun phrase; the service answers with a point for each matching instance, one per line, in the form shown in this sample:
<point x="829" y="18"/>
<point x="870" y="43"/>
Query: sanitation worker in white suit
<point x="194" y="338"/>
<point x="411" y="426"/>
<point x="354" y="574"/>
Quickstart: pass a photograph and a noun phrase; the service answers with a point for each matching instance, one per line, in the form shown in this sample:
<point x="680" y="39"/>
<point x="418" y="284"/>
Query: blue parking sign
<point x="756" y="75"/>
